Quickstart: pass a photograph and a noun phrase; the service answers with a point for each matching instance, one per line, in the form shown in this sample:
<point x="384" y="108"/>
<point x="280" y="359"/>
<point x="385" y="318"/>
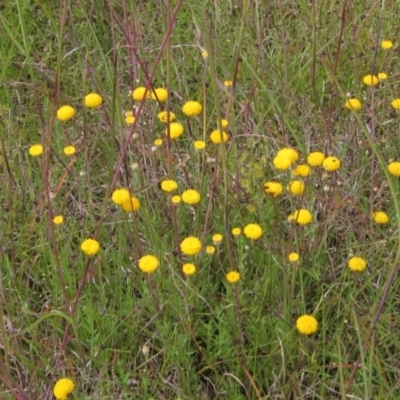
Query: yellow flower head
<point x="296" y="187"/>
<point x="394" y="168"/>
<point x="382" y="76"/>
<point x="148" y="263"/>
<point x="293" y="257"/>
<point x="120" y="196"/>
<point x="65" y="113"/>
<point x="199" y="145"/>
<point x="163" y="116"/>
<point x="192" y="108"/>
<point x="176" y="199"/>
<point x="331" y="164"/>
<point x="228" y="83"/>
<point x="36" y="150"/>
<point x="188" y="269"/>
<point x="160" y="93"/>
<point x="371" y="80"/>
<point x="233" y="277"/>
<point x="63" y="388"/>
<point x="210" y="250"/>
<point x="253" y="231"/>
<point x="273" y="188"/>
<point x="175" y="129"/>
<point x="217" y="239"/>
<point x="386" y="44"/>
<point x="158" y="142"/>
<point x="315" y="159"/>
<point x="190" y="196"/>
<point x="218" y="136"/>
<point x="190" y="246"/>
<point x="224" y="123"/>
<point x="288" y="152"/>
<point x="282" y="162"/>
<point x="90" y="247"/>
<point x="380" y="218"/>
<point x="236" y="232"/>
<point x="169" y="185"/>
<point x="307" y="324"/>
<point x="301" y="170"/>
<point x="396" y="104"/>
<point x="130" y="119"/>
<point x="357" y="264"/>
<point x="353" y="104"/>
<point x="301" y="216"/>
<point x="58" y="219"/>
<point x="140" y="93"/>
<point x="93" y="100"/>
<point x="131" y="205"/>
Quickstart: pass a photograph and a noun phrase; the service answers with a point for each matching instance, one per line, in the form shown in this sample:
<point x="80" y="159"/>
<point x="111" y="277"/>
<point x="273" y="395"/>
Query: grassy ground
<point x="119" y="333"/>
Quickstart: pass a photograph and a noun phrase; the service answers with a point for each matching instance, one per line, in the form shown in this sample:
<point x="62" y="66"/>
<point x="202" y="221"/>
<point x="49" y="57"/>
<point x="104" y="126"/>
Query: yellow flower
<point x="190" y="196"/>
<point x="160" y="93"/>
<point x="36" y="150"/>
<point x="58" y="219"/>
<point x="394" y="168"/>
<point x="176" y="130"/>
<point x="293" y="257"/>
<point x="396" y="104"/>
<point x="218" y="136"/>
<point x="292" y="154"/>
<point x="192" y="108"/>
<point x="190" y="246"/>
<point x="282" y="162"/>
<point x="273" y="188"/>
<point x="188" y="269"/>
<point x="228" y="83"/>
<point x="371" y="80"/>
<point x="331" y="164"/>
<point x="380" y="217"/>
<point x="158" y="142"/>
<point x="140" y="93"/>
<point x="120" y="196"/>
<point x="301" y="216"/>
<point x="224" y="123"/>
<point x="210" y="250"/>
<point x="63" y="388"/>
<point x="90" y="247"/>
<point x="199" y="145"/>
<point x="176" y="199"/>
<point x="315" y="159"/>
<point x="386" y="44"/>
<point x="353" y="104"/>
<point x="253" y="231"/>
<point x="163" y="116"/>
<point x="357" y="264"/>
<point x="301" y="170"/>
<point x="131" y="205"/>
<point x="217" y="239"/>
<point x="130" y="119"/>
<point x="204" y="53"/>
<point x="93" y="100"/>
<point x="382" y="76"/>
<point x="169" y="185"/>
<point x="65" y="113"/>
<point x="69" y="150"/>
<point x="296" y="187"/>
<point x="148" y="263"/>
<point x="233" y="276"/>
<point x="236" y="232"/>
<point x="307" y="324"/>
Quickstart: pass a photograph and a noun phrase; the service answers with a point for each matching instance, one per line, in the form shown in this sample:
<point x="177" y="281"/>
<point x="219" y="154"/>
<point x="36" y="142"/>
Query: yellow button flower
<point x="191" y="196"/>
<point x="236" y="232"/>
<point x="331" y="164"/>
<point x="131" y="205"/>
<point x="210" y="250"/>
<point x="273" y="188"/>
<point x="293" y="257"/>
<point x="190" y="246"/>
<point x="289" y="152"/>
<point x="218" y="136"/>
<point x="163" y="116"/>
<point x="140" y="93"/>
<point x="296" y="188"/>
<point x="253" y="231"/>
<point x="148" y="263"/>
<point x="386" y="44"/>
<point x="169" y="185"/>
<point x="371" y="80"/>
<point x="36" y="150"/>
<point x="394" y="168"/>
<point x="192" y="108"/>
<point x="301" y="216"/>
<point x="90" y="247"/>
<point x="353" y="104"/>
<point x="357" y="264"/>
<point x="93" y="100"/>
<point x="188" y="269"/>
<point x="301" y="170"/>
<point x="380" y="218"/>
<point x="58" y="219"/>
<point x="120" y="196"/>
<point x="307" y="324"/>
<point x="396" y="104"/>
<point x="315" y="159"/>
<point x="199" y="145"/>
<point x="217" y="239"/>
<point x="159" y="94"/>
<point x="282" y="162"/>
<point x="233" y="276"/>
<point x="63" y="388"/>
<point x="69" y="150"/>
<point x="175" y="129"/>
<point x="65" y="113"/>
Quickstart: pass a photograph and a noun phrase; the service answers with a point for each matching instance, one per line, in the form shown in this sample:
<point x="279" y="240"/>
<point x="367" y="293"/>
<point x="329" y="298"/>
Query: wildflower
<point x="190" y="246"/>
<point x="301" y="216"/>
<point x="130" y="119"/>
<point x="188" y="269"/>
<point x="158" y="142"/>
<point x="36" y="150"/>
<point x="396" y="104"/>
<point x="382" y="76"/>
<point x="159" y="94"/>
<point x="148" y="263"/>
<point x="217" y="239"/>
<point x="69" y="150"/>
<point x="301" y="170"/>
<point x="93" y="100"/>
<point x="292" y="154"/>
<point x="228" y="83"/>
<point x="169" y="185"/>
<point x="128" y="113"/>
<point x="236" y="232"/>
<point x="357" y="264"/>
<point x="90" y="247"/>
<point x="394" y="168"/>
<point x="315" y="159"/>
<point x="273" y="188"/>
<point x="353" y="104"/>
<point x="386" y="44"/>
<point x="192" y="108"/>
<point x="140" y="93"/>
<point x="307" y="324"/>
<point x="131" y="205"/>
<point x="293" y="257"/>
<point x="63" y="388"/>
<point x="380" y="218"/>
<point x="253" y="231"/>
<point x="176" y="199"/>
<point x="210" y="250"/>
<point x="199" y="145"/>
<point x="120" y="196"/>
<point x="224" y="123"/>
<point x="65" y="113"/>
<point x="296" y="187"/>
<point x="218" y="136"/>
<point x="371" y="80"/>
<point x="233" y="276"/>
<point x="163" y="116"/>
<point x="204" y="54"/>
<point x="331" y="164"/>
<point x="190" y="196"/>
<point x="175" y="130"/>
<point x="58" y="219"/>
<point x="282" y="162"/>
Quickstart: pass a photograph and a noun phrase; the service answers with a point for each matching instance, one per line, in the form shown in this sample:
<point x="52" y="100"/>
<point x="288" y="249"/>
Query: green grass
<point x="120" y="333"/>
